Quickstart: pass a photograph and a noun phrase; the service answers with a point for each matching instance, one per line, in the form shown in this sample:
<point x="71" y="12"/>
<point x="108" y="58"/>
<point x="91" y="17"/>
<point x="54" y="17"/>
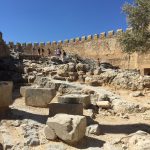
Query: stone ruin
<point x="75" y="94"/>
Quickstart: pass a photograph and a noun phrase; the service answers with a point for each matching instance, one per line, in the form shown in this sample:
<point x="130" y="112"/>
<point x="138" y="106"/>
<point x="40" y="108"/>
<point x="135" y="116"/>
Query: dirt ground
<point x="112" y="127"/>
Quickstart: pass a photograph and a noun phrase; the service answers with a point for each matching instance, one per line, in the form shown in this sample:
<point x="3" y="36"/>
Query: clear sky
<point x="54" y="20"/>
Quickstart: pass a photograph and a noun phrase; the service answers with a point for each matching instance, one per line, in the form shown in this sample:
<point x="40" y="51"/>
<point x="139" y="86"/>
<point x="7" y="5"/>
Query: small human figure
<point x="63" y="56"/>
<point x="49" y="52"/>
<point x="58" y="52"/>
<point x="42" y="52"/>
<point x="33" y="51"/>
<point x="39" y="51"/>
<point x="98" y="62"/>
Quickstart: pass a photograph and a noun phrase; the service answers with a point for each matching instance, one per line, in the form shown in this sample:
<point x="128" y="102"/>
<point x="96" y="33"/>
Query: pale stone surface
<point x="93" y="129"/>
<point x="39" y="97"/>
<point x="6" y="88"/>
<point x="75" y="98"/>
<point x="49" y="133"/>
<point x="73" y="109"/>
<point x="69" y="128"/>
<point x="23" y="90"/>
<point x="103" y="104"/>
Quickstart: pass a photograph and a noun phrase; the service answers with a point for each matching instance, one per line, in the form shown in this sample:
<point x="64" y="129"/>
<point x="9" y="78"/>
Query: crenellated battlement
<point x="84" y="38"/>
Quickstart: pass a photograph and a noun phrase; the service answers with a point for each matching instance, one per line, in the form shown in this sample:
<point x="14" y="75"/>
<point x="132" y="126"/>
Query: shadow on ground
<point x="87" y="142"/>
<point x="125" y="128"/>
<point x="15" y="114"/>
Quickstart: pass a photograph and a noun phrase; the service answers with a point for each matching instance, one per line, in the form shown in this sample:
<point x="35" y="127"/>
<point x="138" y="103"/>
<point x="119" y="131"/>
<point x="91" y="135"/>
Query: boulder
<point x="39" y="97"/>
<point x="68" y="128"/>
<point x="139" y="140"/>
<point x="72" y="109"/>
<point x="6" y="88"/>
<point x="75" y="99"/>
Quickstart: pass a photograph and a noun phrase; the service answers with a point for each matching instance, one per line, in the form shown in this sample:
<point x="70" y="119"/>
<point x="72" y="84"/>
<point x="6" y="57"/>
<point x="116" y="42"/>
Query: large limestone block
<point x="39" y="97"/>
<point x="72" y="109"/>
<point x="6" y="88"/>
<point x="69" y="128"/>
<point x="75" y="99"/>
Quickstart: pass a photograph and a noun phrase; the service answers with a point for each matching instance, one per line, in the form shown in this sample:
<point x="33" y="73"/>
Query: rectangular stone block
<point x="103" y="35"/>
<point x="73" y="109"/>
<point x="75" y="99"/>
<point x="89" y="37"/>
<point x="6" y="88"/>
<point x="96" y="36"/>
<point x="39" y="97"/>
<point x="110" y="33"/>
<point x="72" y="40"/>
<point x="77" y="39"/>
<point x="83" y="38"/>
<point x="66" y="41"/>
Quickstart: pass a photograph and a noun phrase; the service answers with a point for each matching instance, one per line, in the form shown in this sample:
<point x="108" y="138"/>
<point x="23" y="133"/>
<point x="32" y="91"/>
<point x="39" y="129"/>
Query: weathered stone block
<point x="72" y="109"/>
<point x="6" y="88"/>
<point x="66" y="41"/>
<point x="68" y="128"/>
<point x="75" y="99"/>
<point x="96" y="36"/>
<point x="83" y="38"/>
<point x="39" y="97"/>
<point x="23" y="90"/>
<point x="110" y="33"/>
<point x="103" y="35"/>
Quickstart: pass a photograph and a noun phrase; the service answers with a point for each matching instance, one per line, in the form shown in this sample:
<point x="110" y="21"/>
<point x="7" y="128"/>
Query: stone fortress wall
<point x="4" y="52"/>
<point x="103" y="46"/>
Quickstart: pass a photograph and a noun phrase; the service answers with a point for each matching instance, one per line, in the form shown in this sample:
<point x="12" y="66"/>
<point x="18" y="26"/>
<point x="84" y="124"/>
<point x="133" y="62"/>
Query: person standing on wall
<point x="42" y="52"/>
<point x="98" y="63"/>
<point x="39" y="51"/>
<point x="58" y="52"/>
<point x="49" y="52"/>
<point x="33" y="51"/>
<point x="63" y="56"/>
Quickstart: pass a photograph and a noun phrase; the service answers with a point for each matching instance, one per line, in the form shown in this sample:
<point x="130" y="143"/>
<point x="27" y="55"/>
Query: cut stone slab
<point x="69" y="128"/>
<point x="39" y="97"/>
<point x="6" y="88"/>
<point x="72" y="109"/>
<point x="75" y="99"/>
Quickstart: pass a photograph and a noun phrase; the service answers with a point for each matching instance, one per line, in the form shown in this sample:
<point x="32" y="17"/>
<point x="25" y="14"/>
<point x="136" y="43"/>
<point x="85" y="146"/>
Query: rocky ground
<point x="117" y="119"/>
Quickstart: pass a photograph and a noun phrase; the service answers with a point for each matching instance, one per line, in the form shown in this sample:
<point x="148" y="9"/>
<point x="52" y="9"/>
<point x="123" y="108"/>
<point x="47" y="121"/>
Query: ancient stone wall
<point x="103" y="46"/>
<point x="4" y="52"/>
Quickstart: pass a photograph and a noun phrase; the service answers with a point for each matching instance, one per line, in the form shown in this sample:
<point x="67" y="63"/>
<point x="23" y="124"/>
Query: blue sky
<point x="54" y="20"/>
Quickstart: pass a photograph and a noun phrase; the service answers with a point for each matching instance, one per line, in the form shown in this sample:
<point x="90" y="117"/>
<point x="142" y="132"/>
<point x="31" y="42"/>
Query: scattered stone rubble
<point x="69" y="91"/>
